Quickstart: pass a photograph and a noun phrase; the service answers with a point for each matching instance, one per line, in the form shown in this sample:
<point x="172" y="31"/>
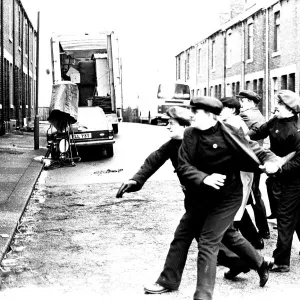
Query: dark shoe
<point x="258" y="244"/>
<point x="156" y="289"/>
<point x="263" y="271"/>
<point x="232" y="273"/>
<point x="265" y="235"/>
<point x="280" y="268"/>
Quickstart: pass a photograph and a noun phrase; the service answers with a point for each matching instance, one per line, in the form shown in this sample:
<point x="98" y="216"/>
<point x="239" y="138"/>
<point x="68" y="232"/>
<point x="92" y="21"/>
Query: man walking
<point x="192" y="221"/>
<point x="254" y="119"/>
<point x="230" y="114"/>
<point x="283" y="131"/>
<point x="211" y="157"/>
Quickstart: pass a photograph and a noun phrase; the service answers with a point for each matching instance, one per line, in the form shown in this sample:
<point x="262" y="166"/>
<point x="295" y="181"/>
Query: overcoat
<point x="253" y="119"/>
<point x="284" y="137"/>
<point x="251" y="154"/>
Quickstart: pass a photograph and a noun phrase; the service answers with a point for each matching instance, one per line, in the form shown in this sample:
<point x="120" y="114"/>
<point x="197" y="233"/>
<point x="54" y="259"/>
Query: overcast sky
<point x="151" y="33"/>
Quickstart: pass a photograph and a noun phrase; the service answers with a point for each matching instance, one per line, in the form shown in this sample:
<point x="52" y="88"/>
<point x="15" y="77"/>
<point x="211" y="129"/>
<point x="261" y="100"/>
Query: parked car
<point x="93" y="129"/>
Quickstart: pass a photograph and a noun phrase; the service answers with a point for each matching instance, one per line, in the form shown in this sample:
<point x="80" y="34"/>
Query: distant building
<point x="255" y="48"/>
<point x="17" y="64"/>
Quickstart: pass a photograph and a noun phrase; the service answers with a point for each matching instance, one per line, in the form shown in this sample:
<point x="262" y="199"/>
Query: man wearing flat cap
<point x="249" y="110"/>
<point x="179" y="118"/>
<point x="170" y="277"/>
<point x="230" y="115"/>
<point x="211" y="156"/>
<point x="284" y="188"/>
<point x="254" y="119"/>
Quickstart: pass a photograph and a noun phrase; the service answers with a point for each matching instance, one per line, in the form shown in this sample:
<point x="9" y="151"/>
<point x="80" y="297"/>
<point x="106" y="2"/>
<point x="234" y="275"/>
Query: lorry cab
<point x="153" y="106"/>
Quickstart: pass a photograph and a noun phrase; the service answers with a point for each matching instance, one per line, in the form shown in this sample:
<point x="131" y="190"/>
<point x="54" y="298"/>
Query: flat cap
<point x="210" y="104"/>
<point x="249" y="95"/>
<point x="290" y="99"/>
<point x="231" y="102"/>
<point x="182" y="115"/>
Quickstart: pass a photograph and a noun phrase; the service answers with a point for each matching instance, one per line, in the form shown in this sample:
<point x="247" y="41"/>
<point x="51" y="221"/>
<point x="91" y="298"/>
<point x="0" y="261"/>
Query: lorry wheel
<point x="110" y="151"/>
<point x="115" y="128"/>
<point x="154" y="122"/>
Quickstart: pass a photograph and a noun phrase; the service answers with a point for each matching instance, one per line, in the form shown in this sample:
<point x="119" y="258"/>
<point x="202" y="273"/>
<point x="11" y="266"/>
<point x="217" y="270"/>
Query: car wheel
<point x="110" y="151"/>
<point x="115" y="128"/>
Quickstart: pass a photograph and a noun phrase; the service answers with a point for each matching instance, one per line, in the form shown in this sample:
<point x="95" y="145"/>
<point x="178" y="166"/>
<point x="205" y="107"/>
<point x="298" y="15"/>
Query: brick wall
<point x="18" y="96"/>
<point x="255" y="72"/>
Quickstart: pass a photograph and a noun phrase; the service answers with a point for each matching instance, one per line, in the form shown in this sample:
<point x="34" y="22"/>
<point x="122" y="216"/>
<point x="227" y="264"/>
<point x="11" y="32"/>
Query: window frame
<point x="250" y="41"/>
<point x="277" y="31"/>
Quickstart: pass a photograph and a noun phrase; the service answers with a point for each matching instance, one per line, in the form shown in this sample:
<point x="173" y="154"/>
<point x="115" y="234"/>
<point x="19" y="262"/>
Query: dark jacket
<point x="156" y="159"/>
<point x="251" y="155"/>
<point x="284" y="138"/>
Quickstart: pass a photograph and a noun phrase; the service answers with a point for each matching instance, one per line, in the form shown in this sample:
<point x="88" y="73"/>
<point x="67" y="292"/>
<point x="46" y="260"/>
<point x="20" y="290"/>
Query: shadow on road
<point x="92" y="154"/>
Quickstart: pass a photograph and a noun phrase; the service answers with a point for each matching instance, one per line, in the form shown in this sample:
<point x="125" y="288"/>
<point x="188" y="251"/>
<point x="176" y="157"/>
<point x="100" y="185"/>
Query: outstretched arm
<point x="152" y="163"/>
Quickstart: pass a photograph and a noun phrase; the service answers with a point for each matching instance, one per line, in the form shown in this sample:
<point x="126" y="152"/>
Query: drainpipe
<point x="14" y="83"/>
<point x="242" y="87"/>
<point x="267" y="64"/>
<point x="28" y="116"/>
<point x="208" y="88"/>
<point x="22" y="71"/>
<point x="225" y="58"/>
<point x="37" y="63"/>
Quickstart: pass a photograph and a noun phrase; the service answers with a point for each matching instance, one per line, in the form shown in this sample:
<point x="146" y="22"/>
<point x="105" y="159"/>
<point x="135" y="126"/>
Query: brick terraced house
<point x="255" y="48"/>
<point x="18" y="41"/>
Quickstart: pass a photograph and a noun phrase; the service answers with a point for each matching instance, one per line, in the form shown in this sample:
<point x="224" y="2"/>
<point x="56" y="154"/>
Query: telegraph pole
<point x="37" y="118"/>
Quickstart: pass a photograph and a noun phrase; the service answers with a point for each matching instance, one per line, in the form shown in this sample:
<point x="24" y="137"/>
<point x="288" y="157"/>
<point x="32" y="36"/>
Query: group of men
<point x="209" y="152"/>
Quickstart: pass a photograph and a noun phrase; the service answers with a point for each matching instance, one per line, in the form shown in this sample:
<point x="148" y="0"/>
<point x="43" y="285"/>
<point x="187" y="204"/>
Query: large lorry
<point x="92" y="61"/>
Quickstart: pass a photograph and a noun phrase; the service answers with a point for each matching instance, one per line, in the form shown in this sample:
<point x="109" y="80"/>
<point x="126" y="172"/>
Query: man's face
<point x="282" y="111"/>
<point x="245" y="103"/>
<point x="202" y="119"/>
<point x="227" y="112"/>
<point x="175" y="130"/>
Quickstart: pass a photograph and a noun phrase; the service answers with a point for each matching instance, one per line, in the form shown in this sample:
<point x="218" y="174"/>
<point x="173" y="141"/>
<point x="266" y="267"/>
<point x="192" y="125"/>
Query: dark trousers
<point x="175" y="262"/>
<point x="272" y="200"/>
<point x="248" y="229"/>
<point x="189" y="228"/>
<point x="288" y="219"/>
<point x="229" y="259"/>
<point x="219" y="226"/>
<point x="258" y="206"/>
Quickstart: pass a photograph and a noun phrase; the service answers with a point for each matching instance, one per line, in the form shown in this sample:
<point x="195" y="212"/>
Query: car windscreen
<point x="91" y="119"/>
<point x="173" y="91"/>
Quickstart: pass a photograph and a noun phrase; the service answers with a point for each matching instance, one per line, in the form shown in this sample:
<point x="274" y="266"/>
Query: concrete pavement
<point x="18" y="175"/>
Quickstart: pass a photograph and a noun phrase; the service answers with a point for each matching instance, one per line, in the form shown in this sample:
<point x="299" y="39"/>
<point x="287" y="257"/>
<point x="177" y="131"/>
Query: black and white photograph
<point x="149" y="150"/>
